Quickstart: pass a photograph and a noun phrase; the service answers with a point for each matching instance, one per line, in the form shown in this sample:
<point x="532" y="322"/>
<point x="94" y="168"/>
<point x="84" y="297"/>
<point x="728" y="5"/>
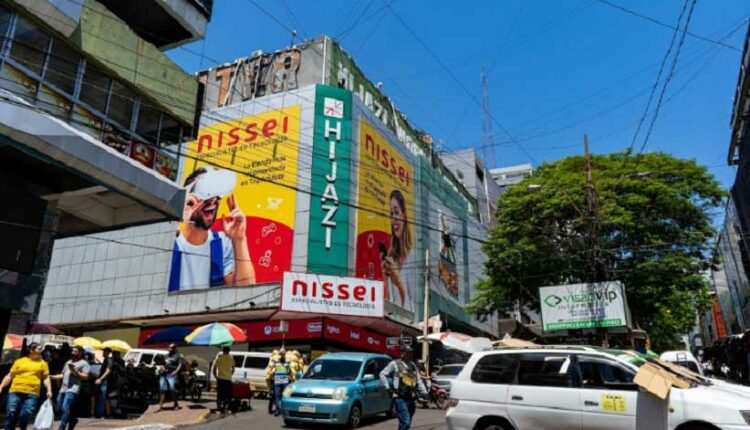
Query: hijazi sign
<point x="579" y="306"/>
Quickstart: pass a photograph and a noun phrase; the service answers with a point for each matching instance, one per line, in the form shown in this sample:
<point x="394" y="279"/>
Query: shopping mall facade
<point x="338" y="190"/>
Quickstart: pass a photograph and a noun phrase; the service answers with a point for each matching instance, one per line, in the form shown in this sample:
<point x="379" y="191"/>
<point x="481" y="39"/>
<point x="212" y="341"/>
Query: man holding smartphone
<point x="74" y="371"/>
<point x="202" y="257"/>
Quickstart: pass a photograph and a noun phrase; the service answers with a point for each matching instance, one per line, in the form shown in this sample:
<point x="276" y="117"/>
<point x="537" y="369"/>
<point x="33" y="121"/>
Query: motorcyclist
<point x="404" y="379"/>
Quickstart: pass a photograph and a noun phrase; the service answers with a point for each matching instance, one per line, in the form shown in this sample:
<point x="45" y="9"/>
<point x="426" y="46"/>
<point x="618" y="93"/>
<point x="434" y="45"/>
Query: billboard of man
<point x="202" y="257"/>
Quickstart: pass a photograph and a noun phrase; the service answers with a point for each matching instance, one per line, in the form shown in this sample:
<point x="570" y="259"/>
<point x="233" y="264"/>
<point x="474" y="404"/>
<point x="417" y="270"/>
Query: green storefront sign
<point x="328" y="240"/>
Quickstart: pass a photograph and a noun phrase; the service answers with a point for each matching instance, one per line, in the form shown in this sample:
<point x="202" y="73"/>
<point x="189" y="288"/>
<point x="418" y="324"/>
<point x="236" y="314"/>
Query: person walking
<point x="25" y="380"/>
<point x="101" y="385"/>
<point x="223" y="371"/>
<point x="75" y="370"/>
<point x="168" y="376"/>
<point x="404" y="378"/>
<point x="282" y="375"/>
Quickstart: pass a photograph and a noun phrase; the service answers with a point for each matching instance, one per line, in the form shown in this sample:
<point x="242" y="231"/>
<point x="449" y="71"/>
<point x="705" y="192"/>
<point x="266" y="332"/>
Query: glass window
<point x="372" y="368"/>
<point x="53" y="102"/>
<point x="18" y="83"/>
<point x="256" y="362"/>
<point x="545" y="370"/>
<point x="330" y="369"/>
<point x="238" y="359"/>
<point x="5" y="16"/>
<point x="495" y="369"/>
<point x="62" y="67"/>
<point x="148" y="122"/>
<point x="170" y="131"/>
<point x="450" y="370"/>
<point x="29" y="45"/>
<point x="146" y="358"/>
<point x="94" y="88"/>
<point x="121" y="104"/>
<point x="598" y="373"/>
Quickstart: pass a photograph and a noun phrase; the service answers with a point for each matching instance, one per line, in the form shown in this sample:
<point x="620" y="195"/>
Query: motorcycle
<point x="430" y="393"/>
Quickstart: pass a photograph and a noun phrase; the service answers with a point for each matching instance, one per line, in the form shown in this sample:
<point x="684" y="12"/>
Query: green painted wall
<point x="107" y="39"/>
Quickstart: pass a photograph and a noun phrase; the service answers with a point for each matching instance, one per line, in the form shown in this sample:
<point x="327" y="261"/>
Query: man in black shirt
<point x="103" y="405"/>
<point x="168" y="376"/>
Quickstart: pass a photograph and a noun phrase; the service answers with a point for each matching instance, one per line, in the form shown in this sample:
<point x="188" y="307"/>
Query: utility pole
<point x="426" y="317"/>
<point x="593" y="271"/>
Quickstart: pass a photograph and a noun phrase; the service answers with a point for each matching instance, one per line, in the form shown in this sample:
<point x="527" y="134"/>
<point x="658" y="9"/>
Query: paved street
<point x="431" y="419"/>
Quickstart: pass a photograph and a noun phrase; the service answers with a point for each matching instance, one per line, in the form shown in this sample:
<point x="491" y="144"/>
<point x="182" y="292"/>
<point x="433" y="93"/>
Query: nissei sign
<point x="581" y="306"/>
<point x="322" y="294"/>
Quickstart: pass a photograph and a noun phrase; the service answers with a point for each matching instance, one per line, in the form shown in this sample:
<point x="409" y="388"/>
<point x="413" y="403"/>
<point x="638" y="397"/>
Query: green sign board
<point x="328" y="240"/>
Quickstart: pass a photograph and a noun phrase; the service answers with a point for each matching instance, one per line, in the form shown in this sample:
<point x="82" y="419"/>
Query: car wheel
<point x="355" y="417"/>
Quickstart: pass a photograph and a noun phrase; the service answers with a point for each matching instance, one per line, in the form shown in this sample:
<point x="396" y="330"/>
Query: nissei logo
<point x="314" y="327"/>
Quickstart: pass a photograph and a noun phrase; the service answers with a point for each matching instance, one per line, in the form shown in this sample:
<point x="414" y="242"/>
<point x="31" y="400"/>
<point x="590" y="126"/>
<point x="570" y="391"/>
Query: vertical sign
<point x="328" y="242"/>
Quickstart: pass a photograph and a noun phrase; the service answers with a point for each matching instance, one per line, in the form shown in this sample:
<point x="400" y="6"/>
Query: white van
<point x="143" y="355"/>
<point x="583" y="388"/>
<point x="248" y="366"/>
<point x="683" y="358"/>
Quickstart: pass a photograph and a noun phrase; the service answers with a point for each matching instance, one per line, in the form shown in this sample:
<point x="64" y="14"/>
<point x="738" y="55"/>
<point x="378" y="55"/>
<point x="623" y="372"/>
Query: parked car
<point x="446" y="374"/>
<point x="683" y="358"/>
<point x="582" y="388"/>
<point x="248" y="367"/>
<point x="338" y="388"/>
<point x="143" y="356"/>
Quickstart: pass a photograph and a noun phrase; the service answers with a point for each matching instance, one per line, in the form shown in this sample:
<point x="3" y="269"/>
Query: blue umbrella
<point x="168" y="335"/>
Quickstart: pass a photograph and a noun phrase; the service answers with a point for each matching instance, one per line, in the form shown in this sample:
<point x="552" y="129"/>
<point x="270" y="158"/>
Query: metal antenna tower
<point x="488" y="136"/>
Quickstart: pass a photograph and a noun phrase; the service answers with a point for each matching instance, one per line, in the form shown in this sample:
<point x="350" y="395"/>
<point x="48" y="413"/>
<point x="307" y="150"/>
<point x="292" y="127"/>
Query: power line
<point x="669" y="76"/>
<point x="665" y="25"/>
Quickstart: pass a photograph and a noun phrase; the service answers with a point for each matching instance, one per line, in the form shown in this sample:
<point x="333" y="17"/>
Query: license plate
<point x="308" y="409"/>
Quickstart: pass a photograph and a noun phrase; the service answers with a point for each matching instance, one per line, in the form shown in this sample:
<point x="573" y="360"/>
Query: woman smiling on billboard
<point x="393" y="260"/>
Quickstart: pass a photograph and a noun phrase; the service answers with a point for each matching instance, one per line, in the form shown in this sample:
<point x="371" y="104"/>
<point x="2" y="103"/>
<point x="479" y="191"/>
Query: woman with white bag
<point x="25" y="380"/>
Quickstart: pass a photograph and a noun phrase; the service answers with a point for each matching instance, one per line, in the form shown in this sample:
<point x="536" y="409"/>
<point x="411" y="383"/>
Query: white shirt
<point x="195" y="268"/>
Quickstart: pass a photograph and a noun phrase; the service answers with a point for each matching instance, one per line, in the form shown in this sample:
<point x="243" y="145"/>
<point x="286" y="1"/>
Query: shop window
<point x="148" y="122"/>
<point x="95" y="88"/>
<point x="170" y="131"/>
<point x="62" y="67"/>
<point x="29" y="46"/>
<point x="121" y="104"/>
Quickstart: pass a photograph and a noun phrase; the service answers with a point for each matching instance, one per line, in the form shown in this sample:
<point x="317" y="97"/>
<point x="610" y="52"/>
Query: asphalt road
<point x="424" y="419"/>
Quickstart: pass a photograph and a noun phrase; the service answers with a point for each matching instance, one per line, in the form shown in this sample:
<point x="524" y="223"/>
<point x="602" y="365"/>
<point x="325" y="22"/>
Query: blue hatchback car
<point x="339" y="388"/>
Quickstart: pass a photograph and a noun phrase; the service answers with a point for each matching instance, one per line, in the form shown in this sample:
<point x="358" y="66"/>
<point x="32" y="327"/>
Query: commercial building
<point x="89" y="111"/>
<point x="332" y="180"/>
<point x="506" y="176"/>
<point x="469" y="168"/>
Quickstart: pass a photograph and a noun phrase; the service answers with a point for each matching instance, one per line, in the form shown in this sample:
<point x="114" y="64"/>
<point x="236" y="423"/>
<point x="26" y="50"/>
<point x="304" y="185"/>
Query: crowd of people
<point x="76" y="381"/>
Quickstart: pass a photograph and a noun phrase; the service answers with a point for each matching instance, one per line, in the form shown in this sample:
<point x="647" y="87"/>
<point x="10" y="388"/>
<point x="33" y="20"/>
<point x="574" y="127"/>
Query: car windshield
<point x="340" y="370"/>
<point x="450" y="370"/>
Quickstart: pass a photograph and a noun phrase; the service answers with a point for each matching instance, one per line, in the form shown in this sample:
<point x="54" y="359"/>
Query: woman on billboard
<point x="393" y="259"/>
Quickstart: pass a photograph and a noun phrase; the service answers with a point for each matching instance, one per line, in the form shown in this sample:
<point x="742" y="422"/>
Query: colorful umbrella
<point x="87" y="341"/>
<point x="116" y="345"/>
<point x="216" y="334"/>
<point x="168" y="335"/>
<point x="12" y="341"/>
<point x="43" y="329"/>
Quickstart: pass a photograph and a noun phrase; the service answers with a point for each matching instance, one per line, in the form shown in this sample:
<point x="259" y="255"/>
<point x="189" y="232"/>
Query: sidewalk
<point x="189" y="413"/>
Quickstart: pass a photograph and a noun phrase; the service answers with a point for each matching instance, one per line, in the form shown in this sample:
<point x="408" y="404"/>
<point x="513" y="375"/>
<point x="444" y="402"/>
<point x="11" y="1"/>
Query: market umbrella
<point x="87" y="341"/>
<point x="216" y="334"/>
<point x="43" y="329"/>
<point x="116" y="345"/>
<point x="168" y="335"/>
<point x="12" y="341"/>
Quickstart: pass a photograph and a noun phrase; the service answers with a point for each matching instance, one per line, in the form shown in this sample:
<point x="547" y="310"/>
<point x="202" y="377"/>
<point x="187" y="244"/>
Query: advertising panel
<point x="238" y="222"/>
<point x="358" y="337"/>
<point x="385" y="217"/>
<point x="328" y="241"/>
<point x="323" y="294"/>
<point x="579" y="306"/>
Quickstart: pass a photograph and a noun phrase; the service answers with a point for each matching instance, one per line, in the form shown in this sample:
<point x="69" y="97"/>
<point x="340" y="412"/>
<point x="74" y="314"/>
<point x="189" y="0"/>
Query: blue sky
<point x="559" y="68"/>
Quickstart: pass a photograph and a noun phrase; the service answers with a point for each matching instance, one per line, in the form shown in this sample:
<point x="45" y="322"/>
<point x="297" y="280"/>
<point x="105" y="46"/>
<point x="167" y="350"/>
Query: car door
<point x="608" y="395"/>
<point x="545" y="394"/>
<point x="372" y="402"/>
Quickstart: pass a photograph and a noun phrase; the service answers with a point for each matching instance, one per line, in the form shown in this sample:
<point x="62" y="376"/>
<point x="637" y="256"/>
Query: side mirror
<point x="368" y="377"/>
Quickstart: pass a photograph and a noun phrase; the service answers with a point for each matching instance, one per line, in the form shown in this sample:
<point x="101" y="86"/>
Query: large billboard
<point x="579" y="306"/>
<point x="385" y="217"/>
<point x="322" y="294"/>
<point x="238" y="223"/>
